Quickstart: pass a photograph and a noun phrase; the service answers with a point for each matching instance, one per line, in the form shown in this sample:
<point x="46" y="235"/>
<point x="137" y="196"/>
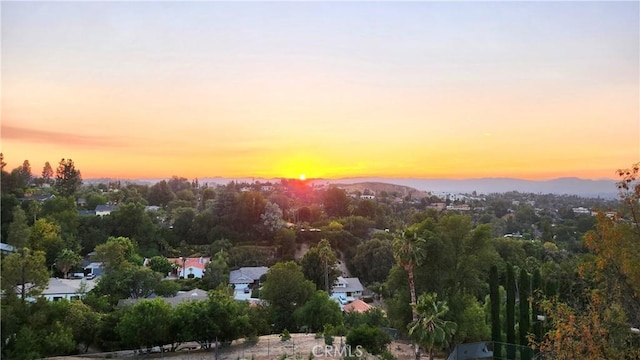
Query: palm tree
<point x="430" y="330"/>
<point x="328" y="257"/>
<point x="409" y="252"/>
<point x="66" y="260"/>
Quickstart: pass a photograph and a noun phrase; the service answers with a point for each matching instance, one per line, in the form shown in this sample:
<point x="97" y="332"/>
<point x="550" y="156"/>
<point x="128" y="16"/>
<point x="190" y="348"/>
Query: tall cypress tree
<point x="494" y="296"/>
<point x="551" y="288"/>
<point x="536" y="287"/>
<point x="511" y="310"/>
<point x="524" y="314"/>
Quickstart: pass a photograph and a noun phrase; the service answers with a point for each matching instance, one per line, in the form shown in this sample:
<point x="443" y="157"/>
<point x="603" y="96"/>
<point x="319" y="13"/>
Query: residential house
<point x="94" y="269"/>
<point x="69" y="289"/>
<point x="190" y="267"/>
<point x="358" y="306"/>
<point x="102" y="210"/>
<point x="349" y="289"/>
<point x="244" y="279"/>
<point x="41" y="198"/>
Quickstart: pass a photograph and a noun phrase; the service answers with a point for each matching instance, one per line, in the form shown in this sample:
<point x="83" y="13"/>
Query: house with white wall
<point x="245" y="278"/>
<point x="190" y="267"/>
<point x="69" y="289"/>
<point x="347" y="289"/>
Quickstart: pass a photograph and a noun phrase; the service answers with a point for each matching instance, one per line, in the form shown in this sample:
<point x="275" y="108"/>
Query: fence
<point x="493" y="350"/>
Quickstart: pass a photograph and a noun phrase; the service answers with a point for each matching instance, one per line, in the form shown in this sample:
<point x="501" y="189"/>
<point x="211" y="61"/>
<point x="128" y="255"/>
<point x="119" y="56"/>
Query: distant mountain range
<point x="604" y="188"/>
<point x="569" y="186"/>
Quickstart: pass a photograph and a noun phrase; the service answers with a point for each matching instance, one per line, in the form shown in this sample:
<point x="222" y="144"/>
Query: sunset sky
<point x="532" y="90"/>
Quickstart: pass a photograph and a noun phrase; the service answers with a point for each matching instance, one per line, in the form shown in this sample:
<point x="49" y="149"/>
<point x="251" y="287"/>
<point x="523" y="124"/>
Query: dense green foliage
<point x="318" y="312"/>
<point x="398" y="244"/>
<point x="286" y="290"/>
<point x="511" y="311"/>
<point x="494" y="293"/>
<point x="523" y="324"/>
<point x="372" y="339"/>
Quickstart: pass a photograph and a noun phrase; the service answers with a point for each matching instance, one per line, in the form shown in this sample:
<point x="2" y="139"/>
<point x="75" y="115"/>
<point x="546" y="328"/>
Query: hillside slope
<point x="378" y="187"/>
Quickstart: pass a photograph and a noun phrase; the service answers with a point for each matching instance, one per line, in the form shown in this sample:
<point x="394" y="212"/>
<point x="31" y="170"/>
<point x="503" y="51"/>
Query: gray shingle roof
<point x="247" y="274"/>
<point x="350" y="285"/>
<point x="67" y="286"/>
<point x="106" y="207"/>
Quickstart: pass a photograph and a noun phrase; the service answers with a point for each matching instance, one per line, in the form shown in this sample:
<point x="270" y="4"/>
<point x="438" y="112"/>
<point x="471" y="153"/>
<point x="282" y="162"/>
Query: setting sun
<point x="303" y="177"/>
<point x="276" y="90"/>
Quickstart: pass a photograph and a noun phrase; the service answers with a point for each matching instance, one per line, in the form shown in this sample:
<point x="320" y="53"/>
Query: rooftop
<point x="68" y="286"/>
<point x="247" y="274"/>
<point x="357" y="306"/>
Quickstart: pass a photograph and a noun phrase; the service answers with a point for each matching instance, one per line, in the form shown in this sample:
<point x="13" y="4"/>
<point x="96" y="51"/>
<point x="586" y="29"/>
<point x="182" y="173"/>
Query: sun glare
<point x="303" y="177"/>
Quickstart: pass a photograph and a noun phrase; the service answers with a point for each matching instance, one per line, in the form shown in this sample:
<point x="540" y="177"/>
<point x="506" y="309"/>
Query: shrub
<point x="328" y="339"/>
<point x="285" y="335"/>
<point x="373" y="339"/>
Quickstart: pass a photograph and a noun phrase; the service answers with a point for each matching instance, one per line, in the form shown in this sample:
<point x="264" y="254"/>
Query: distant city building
<point x="581" y="211"/>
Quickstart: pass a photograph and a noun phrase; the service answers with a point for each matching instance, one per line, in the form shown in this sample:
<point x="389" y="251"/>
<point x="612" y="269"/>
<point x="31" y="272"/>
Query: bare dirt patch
<point x="269" y="347"/>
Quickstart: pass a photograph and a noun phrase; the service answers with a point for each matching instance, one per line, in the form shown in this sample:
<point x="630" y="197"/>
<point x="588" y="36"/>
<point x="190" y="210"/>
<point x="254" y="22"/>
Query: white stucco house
<point x="190" y="267"/>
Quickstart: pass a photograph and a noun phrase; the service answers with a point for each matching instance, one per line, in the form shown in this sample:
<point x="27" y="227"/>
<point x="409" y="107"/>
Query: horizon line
<point x="231" y="178"/>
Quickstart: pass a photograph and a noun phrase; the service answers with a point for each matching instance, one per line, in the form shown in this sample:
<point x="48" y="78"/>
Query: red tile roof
<point x="199" y="262"/>
<point x="357" y="306"/>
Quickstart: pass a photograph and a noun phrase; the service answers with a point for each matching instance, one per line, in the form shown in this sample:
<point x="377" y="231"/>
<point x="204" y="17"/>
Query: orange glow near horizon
<point x="276" y="90"/>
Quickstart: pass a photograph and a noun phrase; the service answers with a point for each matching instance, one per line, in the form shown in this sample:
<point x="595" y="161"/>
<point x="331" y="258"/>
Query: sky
<point x="531" y="90"/>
